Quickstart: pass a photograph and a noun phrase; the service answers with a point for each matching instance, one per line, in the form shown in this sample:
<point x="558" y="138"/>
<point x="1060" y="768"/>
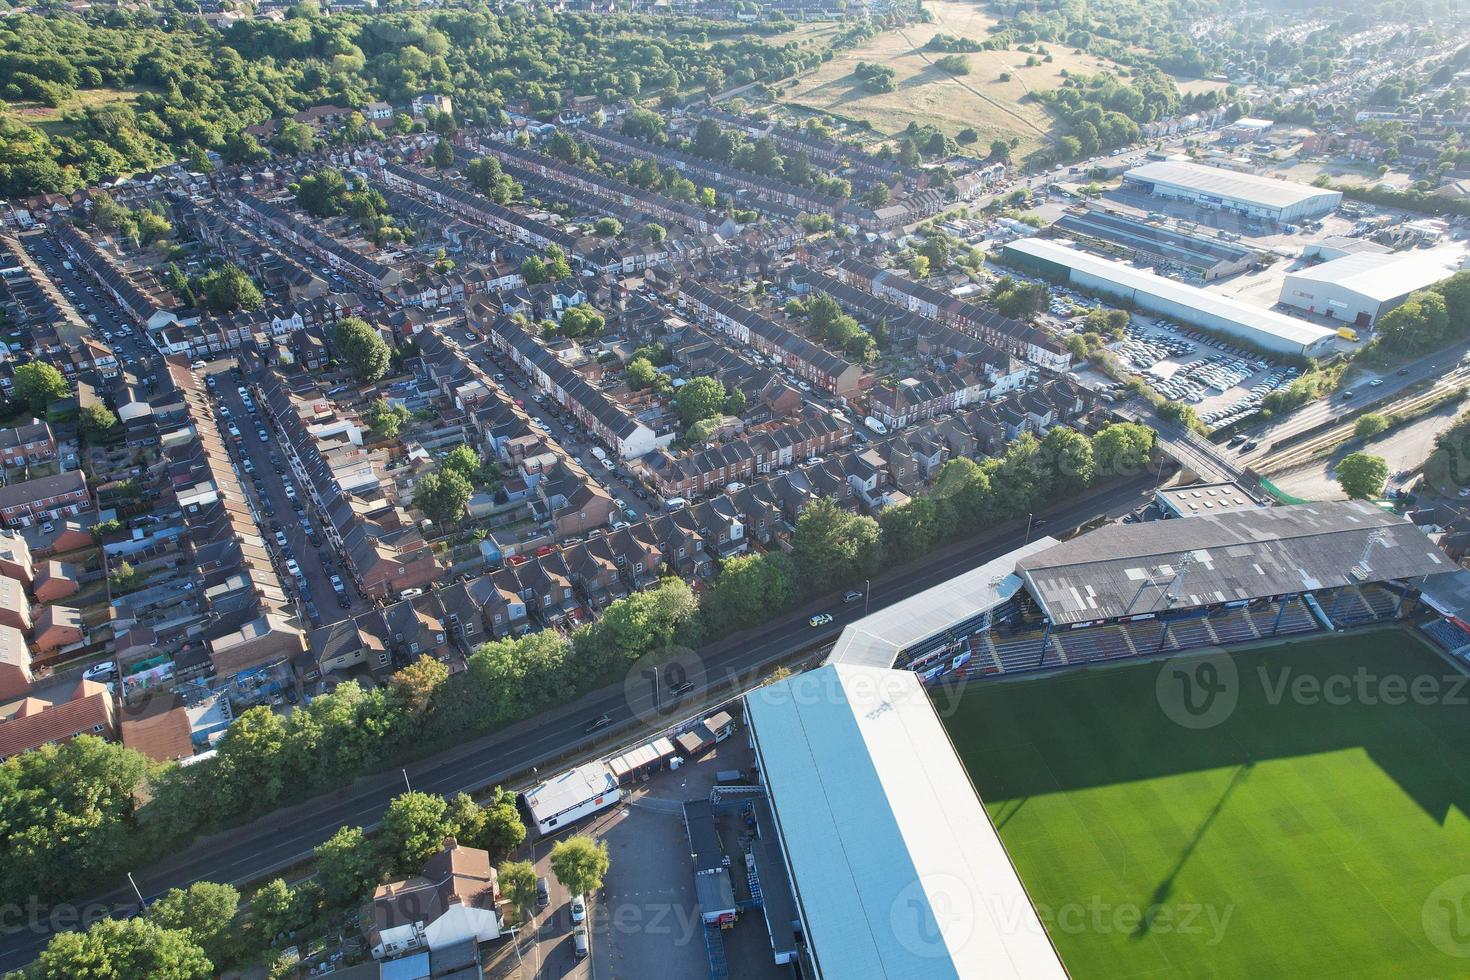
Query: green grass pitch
<point x="1304" y="835"/>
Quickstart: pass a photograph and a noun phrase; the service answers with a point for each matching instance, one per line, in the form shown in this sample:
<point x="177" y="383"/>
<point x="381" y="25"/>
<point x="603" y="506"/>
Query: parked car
<point x="579" y="908"/>
<point x="106" y="670"/>
<point x="853" y="596"/>
<point x="579" y="942"/>
<point x="543" y="892"/>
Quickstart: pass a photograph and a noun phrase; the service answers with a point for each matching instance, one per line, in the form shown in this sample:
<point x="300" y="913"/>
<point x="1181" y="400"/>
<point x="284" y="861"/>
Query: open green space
<point x="1319" y="829"/>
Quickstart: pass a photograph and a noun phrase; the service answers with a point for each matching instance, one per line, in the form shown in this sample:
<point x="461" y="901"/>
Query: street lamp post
<point x="405" y="779"/>
<point x="1028" y="529"/>
<point x="867" y="588"/>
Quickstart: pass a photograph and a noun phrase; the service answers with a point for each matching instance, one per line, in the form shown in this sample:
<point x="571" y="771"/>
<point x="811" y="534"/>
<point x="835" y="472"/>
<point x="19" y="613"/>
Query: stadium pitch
<point x="1297" y="810"/>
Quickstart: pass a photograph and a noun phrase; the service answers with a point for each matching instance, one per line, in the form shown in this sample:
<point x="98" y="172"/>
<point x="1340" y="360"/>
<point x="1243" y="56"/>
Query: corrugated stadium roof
<point x="1132" y="569"/>
<point x="899" y="872"/>
<point x="1265" y="191"/>
<point x="877" y="640"/>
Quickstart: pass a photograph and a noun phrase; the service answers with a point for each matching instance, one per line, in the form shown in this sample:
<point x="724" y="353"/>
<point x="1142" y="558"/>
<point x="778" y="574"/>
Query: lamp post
<point x="867" y="588"/>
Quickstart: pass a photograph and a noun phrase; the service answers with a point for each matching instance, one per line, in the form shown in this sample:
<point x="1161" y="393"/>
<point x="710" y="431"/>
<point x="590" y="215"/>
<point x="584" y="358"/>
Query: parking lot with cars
<point x="1225" y="384"/>
<point x="293" y="533"/>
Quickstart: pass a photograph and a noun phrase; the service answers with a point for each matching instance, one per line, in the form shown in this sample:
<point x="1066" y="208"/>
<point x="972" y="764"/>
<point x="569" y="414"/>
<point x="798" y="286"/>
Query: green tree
<point x="735" y="402"/>
<point x="655" y="233"/>
<point x="122" y="949"/>
<point x="443" y="154"/>
<point x="911" y="529"/>
<point x="442" y="496"/>
<point x="347" y="867"/>
<point x="1362" y="476"/>
<point x="466" y="462"/>
<point x="38" y="384"/>
<point x="579" y="863"/>
<point x="581" y="321"/>
<point x="699" y="398"/>
<point x="277" y="909"/>
<point x="1069" y="455"/>
<point x="413" y="830"/>
<point x="608" y="227"/>
<point x="1369" y="424"/>
<point x="504" y="829"/>
<point x="833" y="548"/>
<point x="750" y="589"/>
<point x="640" y="373"/>
<point x="206" y="911"/>
<point x="533" y="270"/>
<point x="1123" y="447"/>
<point x="518" y="885"/>
<point x="361" y="349"/>
<point x="95" y="421"/>
<point x="385" y="419"/>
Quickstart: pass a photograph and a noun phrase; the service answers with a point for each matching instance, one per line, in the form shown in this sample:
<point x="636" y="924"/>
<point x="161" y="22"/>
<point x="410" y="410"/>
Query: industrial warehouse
<point x="1359" y="288"/>
<point x="1196" y="256"/>
<point x="1265" y="198"/>
<point x="1181" y="302"/>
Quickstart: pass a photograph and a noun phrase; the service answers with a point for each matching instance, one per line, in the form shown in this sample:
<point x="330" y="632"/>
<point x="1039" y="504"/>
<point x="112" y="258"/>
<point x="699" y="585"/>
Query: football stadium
<point x="1193" y="738"/>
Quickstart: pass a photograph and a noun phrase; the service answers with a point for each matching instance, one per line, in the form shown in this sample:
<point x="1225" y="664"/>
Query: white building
<point x="451" y="902"/>
<point x="896" y="868"/>
<point x="1359" y="288"/>
<point x="1240" y="193"/>
<point x="1191" y="305"/>
<point x="574" y="794"/>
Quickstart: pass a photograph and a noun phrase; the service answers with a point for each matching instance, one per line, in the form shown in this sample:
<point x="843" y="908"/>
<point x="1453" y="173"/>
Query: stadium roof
<point x="1129" y="277"/>
<point x="898" y="870"/>
<point x="1265" y="191"/>
<point x="1132" y="569"/>
<point x="1384" y="277"/>
<point x="877" y="640"/>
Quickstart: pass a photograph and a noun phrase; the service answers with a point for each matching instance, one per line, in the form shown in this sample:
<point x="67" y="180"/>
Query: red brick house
<point x="50" y="497"/>
<point x="33" y="442"/>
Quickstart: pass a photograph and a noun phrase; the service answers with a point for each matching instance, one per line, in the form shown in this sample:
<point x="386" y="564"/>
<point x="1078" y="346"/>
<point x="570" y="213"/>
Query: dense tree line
<point x="172" y="85"/>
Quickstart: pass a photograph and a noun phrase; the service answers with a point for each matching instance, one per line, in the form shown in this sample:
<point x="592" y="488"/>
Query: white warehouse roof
<point x="899" y="873"/>
<point x="1298" y="333"/>
<point x="1264" y="191"/>
<point x="1383" y="277"/>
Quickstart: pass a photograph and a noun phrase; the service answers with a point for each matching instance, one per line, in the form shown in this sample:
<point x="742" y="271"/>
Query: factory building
<point x="1180" y="302"/>
<point x="1265" y="198"/>
<point x="1358" y="288"/>
<point x="1194" y="256"/>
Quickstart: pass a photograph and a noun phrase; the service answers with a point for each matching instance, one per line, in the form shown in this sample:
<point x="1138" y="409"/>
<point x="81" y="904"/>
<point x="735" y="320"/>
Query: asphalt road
<point x="317" y="562"/>
<point x="284" y="838"/>
<point x="1364" y="395"/>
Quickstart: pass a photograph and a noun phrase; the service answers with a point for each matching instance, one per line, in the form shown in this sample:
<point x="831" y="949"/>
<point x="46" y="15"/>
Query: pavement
<point x="281" y="839"/>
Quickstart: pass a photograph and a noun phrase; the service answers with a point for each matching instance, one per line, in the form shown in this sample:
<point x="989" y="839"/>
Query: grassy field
<point x="49" y="119"/>
<point x="926" y="94"/>
<point x="1292" y="839"/>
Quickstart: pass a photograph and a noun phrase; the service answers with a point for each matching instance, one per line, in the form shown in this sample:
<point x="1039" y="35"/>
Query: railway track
<point x="1310" y="449"/>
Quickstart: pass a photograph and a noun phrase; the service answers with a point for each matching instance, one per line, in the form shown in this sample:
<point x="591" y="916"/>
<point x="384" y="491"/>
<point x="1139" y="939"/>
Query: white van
<point x="876" y="426"/>
<point x="675" y="503"/>
<point x="599" y="453"/>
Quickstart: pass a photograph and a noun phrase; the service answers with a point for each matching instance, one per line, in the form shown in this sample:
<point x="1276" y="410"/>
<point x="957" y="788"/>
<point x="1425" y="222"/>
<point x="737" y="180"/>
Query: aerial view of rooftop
<point x="776" y="490"/>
